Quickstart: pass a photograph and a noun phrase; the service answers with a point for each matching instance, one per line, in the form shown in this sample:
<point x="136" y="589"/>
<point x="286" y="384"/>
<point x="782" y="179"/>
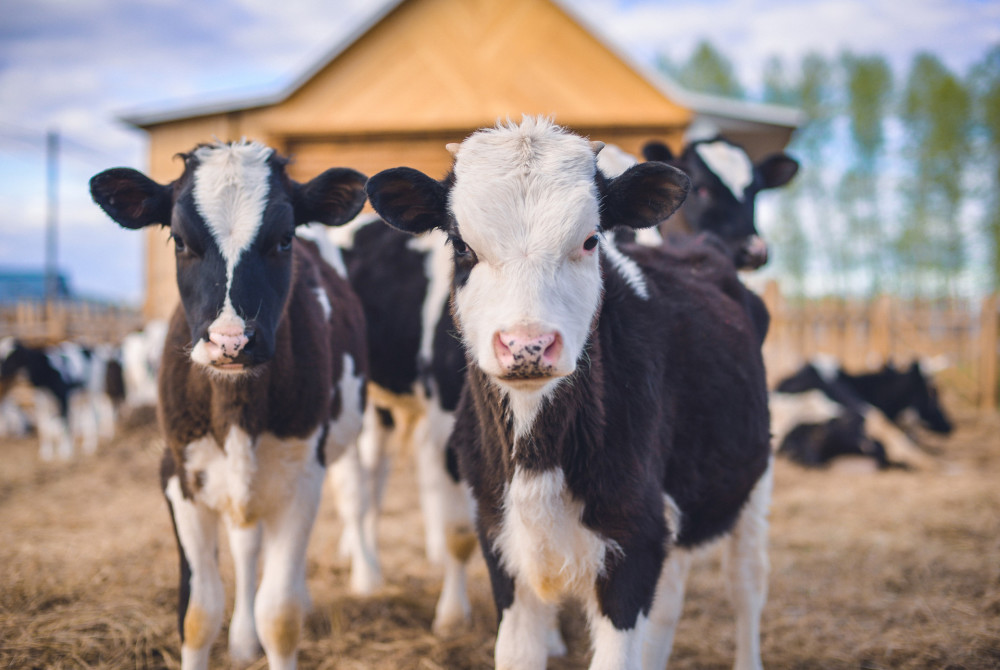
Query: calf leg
<point x="522" y="638"/>
<point x="202" y="598"/>
<point x="352" y="493"/>
<point x="282" y="599"/>
<point x="666" y="612"/>
<point x="746" y="566"/>
<point x="244" y="543"/>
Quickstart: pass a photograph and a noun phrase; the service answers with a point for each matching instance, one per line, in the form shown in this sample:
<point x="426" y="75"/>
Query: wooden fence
<point x="91" y="323"/>
<point x="959" y="336"/>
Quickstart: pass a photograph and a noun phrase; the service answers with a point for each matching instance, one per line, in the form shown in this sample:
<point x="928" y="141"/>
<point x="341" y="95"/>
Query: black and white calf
<point x="615" y="411"/>
<point x="71" y="393"/>
<point x="417" y="368"/>
<point x="262" y="380"/>
<point x="724" y="187"/>
<point x="821" y="411"/>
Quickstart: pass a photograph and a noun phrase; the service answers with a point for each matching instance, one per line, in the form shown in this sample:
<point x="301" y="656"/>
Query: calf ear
<point x="644" y="195"/>
<point x="131" y="198"/>
<point x="777" y="170"/>
<point x="655" y="150"/>
<point x="332" y="198"/>
<point x="409" y="200"/>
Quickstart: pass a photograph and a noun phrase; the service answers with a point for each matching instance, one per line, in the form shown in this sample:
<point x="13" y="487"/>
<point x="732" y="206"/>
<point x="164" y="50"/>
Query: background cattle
<point x="859" y="414"/>
<point x="262" y="381"/>
<point x="615" y="407"/>
<point x="416" y="372"/>
<point x="76" y="391"/>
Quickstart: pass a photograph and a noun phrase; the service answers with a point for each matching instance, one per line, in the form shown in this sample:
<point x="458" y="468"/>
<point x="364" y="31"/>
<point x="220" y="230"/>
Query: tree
<point x="936" y="115"/>
<point x="869" y="91"/>
<point x="708" y="71"/>
<point x="984" y="85"/>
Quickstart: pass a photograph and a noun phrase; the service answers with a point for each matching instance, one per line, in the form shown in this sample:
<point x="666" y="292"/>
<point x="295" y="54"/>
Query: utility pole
<point x="52" y="215"/>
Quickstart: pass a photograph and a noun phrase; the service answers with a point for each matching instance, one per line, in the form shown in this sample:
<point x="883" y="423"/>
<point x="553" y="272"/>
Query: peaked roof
<point x="721" y="113"/>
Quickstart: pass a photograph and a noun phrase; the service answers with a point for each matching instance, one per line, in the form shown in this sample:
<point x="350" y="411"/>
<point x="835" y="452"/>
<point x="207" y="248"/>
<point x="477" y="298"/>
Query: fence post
<point x="880" y="333"/>
<point x="988" y="353"/>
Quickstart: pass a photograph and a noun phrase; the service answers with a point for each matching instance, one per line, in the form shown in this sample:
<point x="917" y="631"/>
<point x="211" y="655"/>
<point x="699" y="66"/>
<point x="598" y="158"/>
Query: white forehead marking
<point x="230" y="190"/>
<point x="730" y="164"/>
<point x="525" y="190"/>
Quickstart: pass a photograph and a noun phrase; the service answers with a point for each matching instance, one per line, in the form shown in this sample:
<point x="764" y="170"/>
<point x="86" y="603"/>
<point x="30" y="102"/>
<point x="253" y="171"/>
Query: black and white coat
<point x="615" y="409"/>
<point x="73" y="402"/>
<point x="261" y="385"/>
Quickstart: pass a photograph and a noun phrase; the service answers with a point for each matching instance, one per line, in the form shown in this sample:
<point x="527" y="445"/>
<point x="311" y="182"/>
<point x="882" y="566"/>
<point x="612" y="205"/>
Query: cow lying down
<point x="614" y="415"/>
<point x="821" y="412"/>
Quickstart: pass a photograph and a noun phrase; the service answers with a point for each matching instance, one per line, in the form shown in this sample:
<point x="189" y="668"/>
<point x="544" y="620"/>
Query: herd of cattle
<point x="557" y="327"/>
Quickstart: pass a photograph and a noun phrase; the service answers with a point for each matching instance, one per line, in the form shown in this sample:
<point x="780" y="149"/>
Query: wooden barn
<point x="421" y="73"/>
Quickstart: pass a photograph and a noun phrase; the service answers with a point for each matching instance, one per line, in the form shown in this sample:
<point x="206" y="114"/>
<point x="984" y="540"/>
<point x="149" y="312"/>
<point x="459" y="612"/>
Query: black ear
<point x="332" y="198"/>
<point x="409" y="200"/>
<point x="655" y="150"/>
<point x="777" y="170"/>
<point x="131" y="198"/>
<point x="644" y="195"/>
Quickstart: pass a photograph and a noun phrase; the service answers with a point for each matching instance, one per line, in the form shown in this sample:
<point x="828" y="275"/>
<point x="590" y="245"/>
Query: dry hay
<point x="877" y="570"/>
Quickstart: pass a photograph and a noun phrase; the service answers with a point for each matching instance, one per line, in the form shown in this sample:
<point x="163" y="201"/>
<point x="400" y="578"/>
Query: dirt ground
<point x="869" y="570"/>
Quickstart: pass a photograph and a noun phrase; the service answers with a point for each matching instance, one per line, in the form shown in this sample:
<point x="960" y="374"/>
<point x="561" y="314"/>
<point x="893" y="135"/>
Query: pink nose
<point x="228" y="343"/>
<point x="527" y="352"/>
<point x="756" y="252"/>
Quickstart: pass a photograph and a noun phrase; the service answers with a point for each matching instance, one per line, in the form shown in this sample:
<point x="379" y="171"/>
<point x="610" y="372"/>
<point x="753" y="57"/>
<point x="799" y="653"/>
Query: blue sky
<point x="76" y="65"/>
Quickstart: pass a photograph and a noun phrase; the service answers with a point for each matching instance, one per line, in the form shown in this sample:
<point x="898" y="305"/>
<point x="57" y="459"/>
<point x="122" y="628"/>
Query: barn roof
<point x="723" y="114"/>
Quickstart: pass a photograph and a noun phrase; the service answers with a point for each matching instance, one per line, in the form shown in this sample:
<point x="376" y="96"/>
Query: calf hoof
<point x="244" y="648"/>
<point x="450" y="623"/>
<point x="365" y="579"/>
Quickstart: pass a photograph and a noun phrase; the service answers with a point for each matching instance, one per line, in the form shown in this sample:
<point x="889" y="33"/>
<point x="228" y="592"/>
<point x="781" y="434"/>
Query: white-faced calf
<point x="261" y="385"/>
<point x="615" y="412"/>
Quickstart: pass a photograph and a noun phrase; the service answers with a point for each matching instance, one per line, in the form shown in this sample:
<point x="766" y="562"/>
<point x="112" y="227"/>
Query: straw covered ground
<point x="869" y="570"/>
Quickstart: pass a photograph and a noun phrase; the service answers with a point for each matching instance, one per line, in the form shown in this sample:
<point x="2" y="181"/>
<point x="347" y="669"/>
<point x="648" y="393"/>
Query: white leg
<point x="615" y="649"/>
<point x="521" y="638"/>
<point x="46" y="418"/>
<point x="453" y="609"/>
<point x="430" y="436"/>
<point x="282" y="598"/>
<point x="746" y="565"/>
<point x="244" y="544"/>
<point x="666" y="612"/>
<point x="196" y="527"/>
<point x="351" y="491"/>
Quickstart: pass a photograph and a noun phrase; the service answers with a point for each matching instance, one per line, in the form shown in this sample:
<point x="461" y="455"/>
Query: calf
<point x="71" y="400"/>
<point x="416" y="373"/>
<point x="261" y="384"/>
<point x="875" y="400"/>
<point x="614" y="414"/>
<point x="724" y="187"/>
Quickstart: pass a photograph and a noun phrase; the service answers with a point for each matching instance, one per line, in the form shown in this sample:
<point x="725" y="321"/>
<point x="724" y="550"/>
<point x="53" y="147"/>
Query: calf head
<point x="525" y="209"/>
<point x="912" y="389"/>
<point x="724" y="184"/>
<point x="232" y="215"/>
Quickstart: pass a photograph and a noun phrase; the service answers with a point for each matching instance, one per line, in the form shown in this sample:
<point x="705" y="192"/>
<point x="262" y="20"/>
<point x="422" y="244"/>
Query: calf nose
<point x="755" y="252"/>
<point x="527" y="352"/>
<point x="230" y="342"/>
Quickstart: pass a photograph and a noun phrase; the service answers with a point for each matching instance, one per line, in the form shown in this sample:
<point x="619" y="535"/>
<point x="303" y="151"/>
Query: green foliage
<point x="936" y="113"/>
<point x="709" y="71"/>
<point x="984" y="85"/>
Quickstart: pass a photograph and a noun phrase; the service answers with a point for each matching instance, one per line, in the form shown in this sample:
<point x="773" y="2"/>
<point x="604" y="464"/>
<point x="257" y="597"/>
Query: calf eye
<point x="179" y="245"/>
<point x="460" y="247"/>
<point x="590" y="243"/>
<point x="286" y="242"/>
